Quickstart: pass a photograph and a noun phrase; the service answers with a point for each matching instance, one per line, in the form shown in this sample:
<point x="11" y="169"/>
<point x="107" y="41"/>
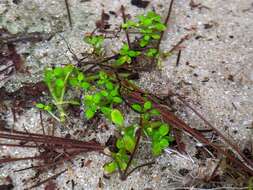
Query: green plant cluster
<point x="126" y="55"/>
<point x="125" y="145"/>
<point x="155" y="130"/>
<point x="149" y="26"/>
<point x="104" y="99"/>
<point x="58" y="81"/>
<point x="101" y="95"/>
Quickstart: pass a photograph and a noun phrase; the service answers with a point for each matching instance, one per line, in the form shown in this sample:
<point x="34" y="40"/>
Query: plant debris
<point x="103" y="23"/>
<point x="10" y="61"/>
<point x="140" y="3"/>
<point x="6" y="183"/>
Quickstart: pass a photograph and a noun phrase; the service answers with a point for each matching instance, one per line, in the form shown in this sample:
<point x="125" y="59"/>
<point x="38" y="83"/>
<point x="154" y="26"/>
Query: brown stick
<point x="124" y="20"/>
<point x="165" y="23"/>
<point x="48" y="179"/>
<point x="68" y="12"/>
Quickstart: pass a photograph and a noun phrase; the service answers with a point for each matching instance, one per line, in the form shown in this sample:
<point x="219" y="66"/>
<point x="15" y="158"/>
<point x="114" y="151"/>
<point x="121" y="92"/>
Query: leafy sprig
<point x="57" y="80"/>
<point x="149" y="26"/>
<point x="101" y="95"/>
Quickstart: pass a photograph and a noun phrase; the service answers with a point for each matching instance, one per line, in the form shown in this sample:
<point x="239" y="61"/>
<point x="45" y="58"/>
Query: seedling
<point x="105" y="97"/>
<point x="149" y="26"/>
<point x="58" y="80"/>
<point x="96" y="42"/>
<point x="156" y="131"/>
<point x="101" y="95"/>
<point x="126" y="55"/>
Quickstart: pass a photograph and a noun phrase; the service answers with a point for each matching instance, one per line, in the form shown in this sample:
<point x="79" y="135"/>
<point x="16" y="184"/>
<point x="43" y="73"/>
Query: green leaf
<point x="67" y="69"/>
<point x="147" y="105"/>
<point x="122" y="60"/>
<point x="97" y="98"/>
<point x="128" y="60"/>
<point x="117" y="100"/>
<point x="40" y="106"/>
<point x="110" y="167"/>
<point x="151" y="14"/>
<point x="163" y="143"/>
<point x="104" y="93"/>
<point x="85" y="85"/>
<point x="151" y="52"/>
<point x="147" y="22"/>
<point x="102" y="75"/>
<point x="143" y="43"/>
<point x="122" y="164"/>
<point x="107" y="112"/>
<point x="80" y="76"/>
<point x="89" y="113"/>
<point x="122" y="159"/>
<point x="128" y="24"/>
<point x="120" y="144"/>
<point x="117" y="117"/>
<point x="163" y="129"/>
<point x="47" y="108"/>
<point x="156" y="136"/>
<point x="146" y="116"/>
<point x="58" y="71"/>
<point x="137" y="107"/>
<point x="146" y="37"/>
<point x="156" y="36"/>
<point x="156" y="124"/>
<point x="156" y="149"/>
<point x="149" y="131"/>
<point x="129" y="143"/>
<point x="154" y="112"/>
<point x="124" y="49"/>
<point x="114" y="92"/>
<point x="160" y="27"/>
<point x="59" y="83"/>
<point x="132" y="53"/>
<point x="88" y="98"/>
<point x="73" y="82"/>
<point x="109" y="85"/>
<point x="48" y="75"/>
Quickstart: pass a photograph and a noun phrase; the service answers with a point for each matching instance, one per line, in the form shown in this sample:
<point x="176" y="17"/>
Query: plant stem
<point x="139" y="132"/>
<point x="124" y="20"/>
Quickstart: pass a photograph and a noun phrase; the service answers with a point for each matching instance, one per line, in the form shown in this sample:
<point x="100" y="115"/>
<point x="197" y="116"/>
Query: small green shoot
<point x="57" y="81"/>
<point x="126" y="55"/>
<point x="149" y="25"/>
<point x="96" y="42"/>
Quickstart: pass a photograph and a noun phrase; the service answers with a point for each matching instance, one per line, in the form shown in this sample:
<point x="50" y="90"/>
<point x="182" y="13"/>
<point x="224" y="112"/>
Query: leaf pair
<point x="126" y="55"/>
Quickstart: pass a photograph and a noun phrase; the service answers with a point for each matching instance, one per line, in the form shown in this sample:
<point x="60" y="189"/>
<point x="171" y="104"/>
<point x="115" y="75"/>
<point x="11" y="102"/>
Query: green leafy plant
<point x="125" y="145"/>
<point x="58" y="81"/>
<point x="148" y="25"/>
<point x="104" y="99"/>
<point x="126" y="55"/>
<point x="101" y="95"/>
<point x="155" y="130"/>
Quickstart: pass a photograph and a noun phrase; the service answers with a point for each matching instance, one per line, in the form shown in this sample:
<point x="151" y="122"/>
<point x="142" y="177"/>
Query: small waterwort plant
<point x="101" y="95"/>
<point x="57" y="80"/>
<point x="148" y="25"/>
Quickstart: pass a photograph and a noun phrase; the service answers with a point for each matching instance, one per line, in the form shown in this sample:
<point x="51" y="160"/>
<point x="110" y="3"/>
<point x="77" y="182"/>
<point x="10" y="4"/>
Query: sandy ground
<point x="215" y="73"/>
